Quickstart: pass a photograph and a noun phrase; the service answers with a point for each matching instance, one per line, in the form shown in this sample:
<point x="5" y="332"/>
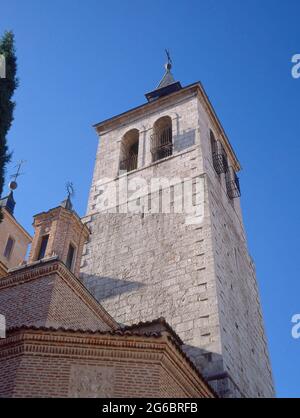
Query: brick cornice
<point x="139" y="348"/>
<point x="58" y="343"/>
<point x="53" y="266"/>
<point x="59" y="211"/>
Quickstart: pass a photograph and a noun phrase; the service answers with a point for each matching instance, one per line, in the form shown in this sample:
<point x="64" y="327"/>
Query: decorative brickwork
<point x="84" y="364"/>
<point x="48" y="294"/>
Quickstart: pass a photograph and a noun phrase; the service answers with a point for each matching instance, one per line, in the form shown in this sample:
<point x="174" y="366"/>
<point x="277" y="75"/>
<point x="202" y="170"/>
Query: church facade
<point x="153" y="293"/>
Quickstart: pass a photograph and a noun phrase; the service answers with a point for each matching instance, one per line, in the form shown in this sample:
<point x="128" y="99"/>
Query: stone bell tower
<point x="146" y="263"/>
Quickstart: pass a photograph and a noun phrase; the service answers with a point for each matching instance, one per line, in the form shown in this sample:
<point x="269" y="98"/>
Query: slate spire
<point x="167" y="85"/>
<point x="168" y="77"/>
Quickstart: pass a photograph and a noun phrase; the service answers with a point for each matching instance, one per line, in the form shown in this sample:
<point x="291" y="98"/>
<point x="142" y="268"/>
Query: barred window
<point x="219" y="157"/>
<point x="129" y="151"/>
<point x="232" y="184"/>
<point x="161" y="140"/>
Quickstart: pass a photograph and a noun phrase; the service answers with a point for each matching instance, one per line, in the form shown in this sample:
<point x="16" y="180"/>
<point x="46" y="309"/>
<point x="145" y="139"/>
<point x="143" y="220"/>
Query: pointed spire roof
<point x="168" y="77"/>
<point x="8" y="202"/>
<point x="67" y="204"/>
<point x="167" y="84"/>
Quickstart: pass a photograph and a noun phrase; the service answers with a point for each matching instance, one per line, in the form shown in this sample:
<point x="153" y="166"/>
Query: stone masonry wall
<point x="141" y="267"/>
<point x="244" y="345"/>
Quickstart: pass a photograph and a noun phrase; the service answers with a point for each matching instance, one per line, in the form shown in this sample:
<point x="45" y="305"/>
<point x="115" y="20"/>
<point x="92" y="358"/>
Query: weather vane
<point x="70" y="189"/>
<point x="13" y="184"/>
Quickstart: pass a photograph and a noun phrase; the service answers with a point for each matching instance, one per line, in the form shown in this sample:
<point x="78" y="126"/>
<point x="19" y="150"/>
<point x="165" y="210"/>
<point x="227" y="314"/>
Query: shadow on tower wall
<point x="105" y="287"/>
<point x="109" y="290"/>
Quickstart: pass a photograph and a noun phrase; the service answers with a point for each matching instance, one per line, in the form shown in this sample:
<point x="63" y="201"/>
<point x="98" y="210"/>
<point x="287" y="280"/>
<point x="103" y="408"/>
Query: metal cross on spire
<point x="168" y="77"/>
<point x="70" y="189"/>
<point x="167" y="84"/>
<point x="18" y="173"/>
<point x="67" y="204"/>
<point x="170" y="62"/>
<point x="13" y="184"/>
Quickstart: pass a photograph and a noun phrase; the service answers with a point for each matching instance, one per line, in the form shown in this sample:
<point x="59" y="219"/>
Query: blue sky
<point x="83" y="61"/>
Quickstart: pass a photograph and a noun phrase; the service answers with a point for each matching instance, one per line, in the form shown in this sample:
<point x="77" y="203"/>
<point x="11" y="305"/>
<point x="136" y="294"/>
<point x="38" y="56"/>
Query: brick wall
<point x="40" y="378"/>
<point x="8" y="374"/>
<point x="53" y="299"/>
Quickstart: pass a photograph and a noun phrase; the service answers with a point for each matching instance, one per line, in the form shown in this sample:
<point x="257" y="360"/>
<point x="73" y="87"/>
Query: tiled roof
<point x="117" y="332"/>
<point x="158" y="321"/>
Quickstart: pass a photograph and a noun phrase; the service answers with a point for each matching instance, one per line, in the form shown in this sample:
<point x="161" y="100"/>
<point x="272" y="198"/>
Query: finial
<point x="67" y="204"/>
<point x="70" y="189"/>
<point x="13" y="183"/>
<point x="168" y="65"/>
<point x="167" y="84"/>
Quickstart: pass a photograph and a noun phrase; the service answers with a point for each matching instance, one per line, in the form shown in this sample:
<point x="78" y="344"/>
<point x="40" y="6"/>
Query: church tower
<point x="145" y="259"/>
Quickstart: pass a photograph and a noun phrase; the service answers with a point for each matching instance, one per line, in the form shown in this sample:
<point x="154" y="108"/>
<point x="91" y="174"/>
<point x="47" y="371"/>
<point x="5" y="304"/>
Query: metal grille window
<point x="129" y="151"/>
<point x="9" y="247"/>
<point x="219" y="156"/>
<point x="232" y="184"/>
<point x="220" y="163"/>
<point x="161" y="140"/>
<point x="129" y="163"/>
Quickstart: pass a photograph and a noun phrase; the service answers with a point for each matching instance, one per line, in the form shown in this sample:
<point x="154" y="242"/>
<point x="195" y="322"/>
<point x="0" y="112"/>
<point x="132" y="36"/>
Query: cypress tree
<point x="8" y="86"/>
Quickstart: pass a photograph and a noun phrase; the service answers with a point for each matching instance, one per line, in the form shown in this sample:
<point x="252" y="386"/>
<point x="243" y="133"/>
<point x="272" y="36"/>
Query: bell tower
<point x="146" y="260"/>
